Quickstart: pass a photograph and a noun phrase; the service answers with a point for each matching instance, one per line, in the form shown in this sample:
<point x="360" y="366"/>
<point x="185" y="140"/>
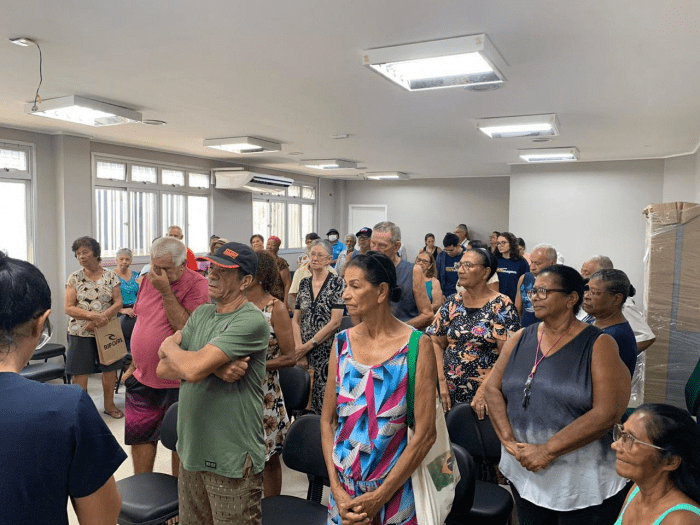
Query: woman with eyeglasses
<point x="53" y="442"/>
<point x="511" y="264"/>
<point x="317" y="316"/>
<point x="469" y="331"/>
<point x="603" y="299"/>
<point x="556" y="391"/>
<point x="432" y="285"/>
<point x="657" y="448"/>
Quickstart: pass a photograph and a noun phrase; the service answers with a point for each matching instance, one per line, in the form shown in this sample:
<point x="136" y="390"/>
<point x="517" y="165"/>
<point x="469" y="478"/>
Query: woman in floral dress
<point x="280" y="354"/>
<point x="469" y="331"/>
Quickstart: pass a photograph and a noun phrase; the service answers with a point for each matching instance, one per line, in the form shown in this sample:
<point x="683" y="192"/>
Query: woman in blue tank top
<point x="657" y="448"/>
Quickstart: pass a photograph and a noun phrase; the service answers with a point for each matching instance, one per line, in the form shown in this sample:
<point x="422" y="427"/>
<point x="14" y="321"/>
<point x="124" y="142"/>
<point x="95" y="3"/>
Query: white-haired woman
<point x="317" y="315"/>
<point x="130" y="289"/>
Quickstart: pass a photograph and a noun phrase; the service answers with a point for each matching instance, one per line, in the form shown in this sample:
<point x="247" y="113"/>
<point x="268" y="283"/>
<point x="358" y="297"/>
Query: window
<point x="289" y="217"/>
<point x="137" y="202"/>
<point x="16" y="201"/>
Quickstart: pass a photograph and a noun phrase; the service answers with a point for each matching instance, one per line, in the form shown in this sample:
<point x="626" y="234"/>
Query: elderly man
<point x="347" y="254"/>
<point x="462" y="232"/>
<point x="220" y="425"/>
<point x="413" y="307"/>
<point x="176" y="232"/>
<point x="445" y="263"/>
<point x="363" y="242"/>
<point x="542" y="255"/>
<point x="169" y="293"/>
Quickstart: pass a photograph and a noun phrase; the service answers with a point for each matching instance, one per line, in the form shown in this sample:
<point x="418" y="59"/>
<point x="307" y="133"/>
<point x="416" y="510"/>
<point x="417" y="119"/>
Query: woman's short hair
<point x="258" y="236"/>
<point x="568" y="279"/>
<point x="674" y="430"/>
<point x="163" y="246"/>
<point x="25" y="296"/>
<point x="323" y="243"/>
<point x="430" y="272"/>
<point x="311" y="236"/>
<point x="378" y="269"/>
<point x="268" y="272"/>
<point x="487" y="259"/>
<point x="125" y="251"/>
<point x="88" y="242"/>
<point x="514" y="254"/>
<point x="616" y="281"/>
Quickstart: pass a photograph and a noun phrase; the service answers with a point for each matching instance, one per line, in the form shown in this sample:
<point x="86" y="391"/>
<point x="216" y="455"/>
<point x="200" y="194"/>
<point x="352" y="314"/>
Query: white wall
<point x="682" y="179"/>
<point x="586" y="209"/>
<point x="435" y="205"/>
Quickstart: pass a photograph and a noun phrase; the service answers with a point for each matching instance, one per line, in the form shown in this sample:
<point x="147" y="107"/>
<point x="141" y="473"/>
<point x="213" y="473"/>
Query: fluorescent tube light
<point x="329" y="164"/>
<point x="525" y="126"/>
<point x="549" y="155"/>
<point x="243" y="145"/>
<point x="453" y="62"/>
<point x="387" y="175"/>
<point x="80" y="110"/>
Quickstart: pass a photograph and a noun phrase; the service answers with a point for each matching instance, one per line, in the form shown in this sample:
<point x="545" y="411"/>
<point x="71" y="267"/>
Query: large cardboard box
<point x="672" y="278"/>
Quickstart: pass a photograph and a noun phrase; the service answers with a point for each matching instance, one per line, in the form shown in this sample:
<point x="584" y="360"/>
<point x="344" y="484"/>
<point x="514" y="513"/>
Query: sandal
<point x="115" y="413"/>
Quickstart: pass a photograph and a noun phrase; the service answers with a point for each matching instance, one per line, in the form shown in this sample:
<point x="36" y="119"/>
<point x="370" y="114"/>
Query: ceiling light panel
<point x="243" y="145"/>
<point x="525" y="126"/>
<point x="80" y="110"/>
<point x="387" y="175"/>
<point x="329" y="164"/>
<point x="549" y="155"/>
<point x="453" y="62"/>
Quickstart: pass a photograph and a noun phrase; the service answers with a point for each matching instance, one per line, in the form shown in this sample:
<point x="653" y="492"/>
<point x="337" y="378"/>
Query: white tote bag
<point x="435" y="479"/>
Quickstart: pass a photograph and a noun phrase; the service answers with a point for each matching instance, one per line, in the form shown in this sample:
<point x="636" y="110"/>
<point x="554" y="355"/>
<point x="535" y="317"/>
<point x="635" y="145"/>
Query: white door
<point x="365" y="215"/>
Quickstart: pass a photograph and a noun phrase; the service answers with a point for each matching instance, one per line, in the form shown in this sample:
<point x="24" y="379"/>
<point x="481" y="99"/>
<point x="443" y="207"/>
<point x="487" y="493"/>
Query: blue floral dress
<point x="472" y="334"/>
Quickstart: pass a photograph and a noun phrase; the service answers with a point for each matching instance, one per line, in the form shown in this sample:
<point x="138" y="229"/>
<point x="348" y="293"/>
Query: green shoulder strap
<point x="412" y="360"/>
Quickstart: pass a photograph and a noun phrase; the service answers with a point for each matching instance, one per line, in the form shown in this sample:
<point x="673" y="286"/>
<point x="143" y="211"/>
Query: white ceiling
<point x="622" y="76"/>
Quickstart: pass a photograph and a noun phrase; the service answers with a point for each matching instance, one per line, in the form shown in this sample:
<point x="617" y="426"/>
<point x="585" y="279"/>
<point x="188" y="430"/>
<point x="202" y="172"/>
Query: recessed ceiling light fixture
<point x="387" y="175"/>
<point x="23" y="41"/>
<point x="243" y="145"/>
<point x="452" y="62"/>
<point x="525" y="126"/>
<point x="549" y="155"/>
<point x="81" y="110"/>
<point x="329" y="164"/>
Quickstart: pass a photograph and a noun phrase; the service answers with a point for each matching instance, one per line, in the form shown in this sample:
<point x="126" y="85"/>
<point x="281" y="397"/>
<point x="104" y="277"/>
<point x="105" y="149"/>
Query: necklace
<point x="538" y="360"/>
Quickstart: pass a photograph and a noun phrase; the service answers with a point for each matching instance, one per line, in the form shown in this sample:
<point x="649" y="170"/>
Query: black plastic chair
<point x="151" y="498"/>
<point x="492" y="503"/>
<point x="43" y="372"/>
<point x="296" y="387"/>
<point x="301" y="452"/>
<point x="48" y="351"/>
<point x="464" y="492"/>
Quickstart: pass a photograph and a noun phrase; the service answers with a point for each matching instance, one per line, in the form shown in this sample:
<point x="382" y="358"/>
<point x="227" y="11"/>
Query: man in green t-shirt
<point x="220" y="358"/>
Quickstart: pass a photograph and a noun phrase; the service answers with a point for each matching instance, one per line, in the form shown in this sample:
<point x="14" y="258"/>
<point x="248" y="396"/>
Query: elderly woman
<point x="53" y="443"/>
<point x="257" y="242"/>
<point x="543" y="255"/>
<point x="93" y="298"/>
<point x="280" y="354"/>
<point x="364" y="443"/>
<point x="556" y="391"/>
<point x="284" y="278"/>
<point x="317" y="315"/>
<point x="430" y="247"/>
<point x="432" y="285"/>
<point x="129" y="288"/>
<point x="511" y="264"/>
<point x="657" y="448"/>
<point x="603" y="299"/>
<point x="469" y="331"/>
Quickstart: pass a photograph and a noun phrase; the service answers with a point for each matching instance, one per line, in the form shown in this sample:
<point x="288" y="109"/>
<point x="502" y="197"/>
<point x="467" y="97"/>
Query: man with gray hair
<point x="542" y="255"/>
<point x="169" y="293"/>
<point x="413" y="307"/>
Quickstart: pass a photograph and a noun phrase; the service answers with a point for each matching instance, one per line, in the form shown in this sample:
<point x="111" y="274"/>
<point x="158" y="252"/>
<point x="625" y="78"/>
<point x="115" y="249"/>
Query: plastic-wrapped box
<point x="672" y="299"/>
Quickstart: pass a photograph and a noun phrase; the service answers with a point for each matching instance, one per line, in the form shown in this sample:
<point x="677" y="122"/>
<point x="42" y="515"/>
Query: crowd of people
<point x="544" y="351"/>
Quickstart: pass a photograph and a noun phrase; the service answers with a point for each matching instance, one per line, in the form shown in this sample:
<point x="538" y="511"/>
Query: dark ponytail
<point x="378" y="269"/>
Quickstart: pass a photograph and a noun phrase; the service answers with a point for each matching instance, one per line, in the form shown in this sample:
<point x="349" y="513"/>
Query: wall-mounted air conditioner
<point x="242" y="180"/>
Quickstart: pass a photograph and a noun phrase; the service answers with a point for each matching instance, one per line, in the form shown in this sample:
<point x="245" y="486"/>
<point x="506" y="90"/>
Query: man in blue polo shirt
<point x="445" y="264"/>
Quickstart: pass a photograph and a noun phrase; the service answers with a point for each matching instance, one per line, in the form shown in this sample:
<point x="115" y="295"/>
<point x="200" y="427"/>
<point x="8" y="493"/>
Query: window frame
<point x="286" y="199"/>
<point x="28" y="177"/>
<point x="158" y="188"/>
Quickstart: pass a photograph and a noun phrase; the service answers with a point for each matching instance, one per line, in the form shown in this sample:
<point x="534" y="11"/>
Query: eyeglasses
<point x="541" y="293"/>
<point x="45" y="336"/>
<point x="422" y="261"/>
<point x="502" y="243"/>
<point x="318" y="255"/>
<point x="628" y="439"/>
<point x="466" y="265"/>
<point x="595" y="293"/>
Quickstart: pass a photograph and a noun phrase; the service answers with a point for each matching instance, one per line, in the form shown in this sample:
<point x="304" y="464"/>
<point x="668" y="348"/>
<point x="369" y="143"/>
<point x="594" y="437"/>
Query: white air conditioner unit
<point x="242" y="180"/>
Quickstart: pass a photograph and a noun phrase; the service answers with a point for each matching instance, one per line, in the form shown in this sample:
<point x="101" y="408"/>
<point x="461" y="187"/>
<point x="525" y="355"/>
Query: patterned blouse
<point x="95" y="296"/>
<point x="472" y="334"/>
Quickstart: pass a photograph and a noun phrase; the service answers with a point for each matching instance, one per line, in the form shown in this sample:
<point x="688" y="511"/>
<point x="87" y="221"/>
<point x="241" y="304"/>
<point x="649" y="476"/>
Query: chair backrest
<point x="464" y="492"/>
<point x="168" y="428"/>
<point x="302" y="449"/>
<point x="463" y="430"/>
<point x="489" y="440"/>
<point x="296" y="385"/>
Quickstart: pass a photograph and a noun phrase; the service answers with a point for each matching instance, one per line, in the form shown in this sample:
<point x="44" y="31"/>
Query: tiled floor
<point x="293" y="483"/>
